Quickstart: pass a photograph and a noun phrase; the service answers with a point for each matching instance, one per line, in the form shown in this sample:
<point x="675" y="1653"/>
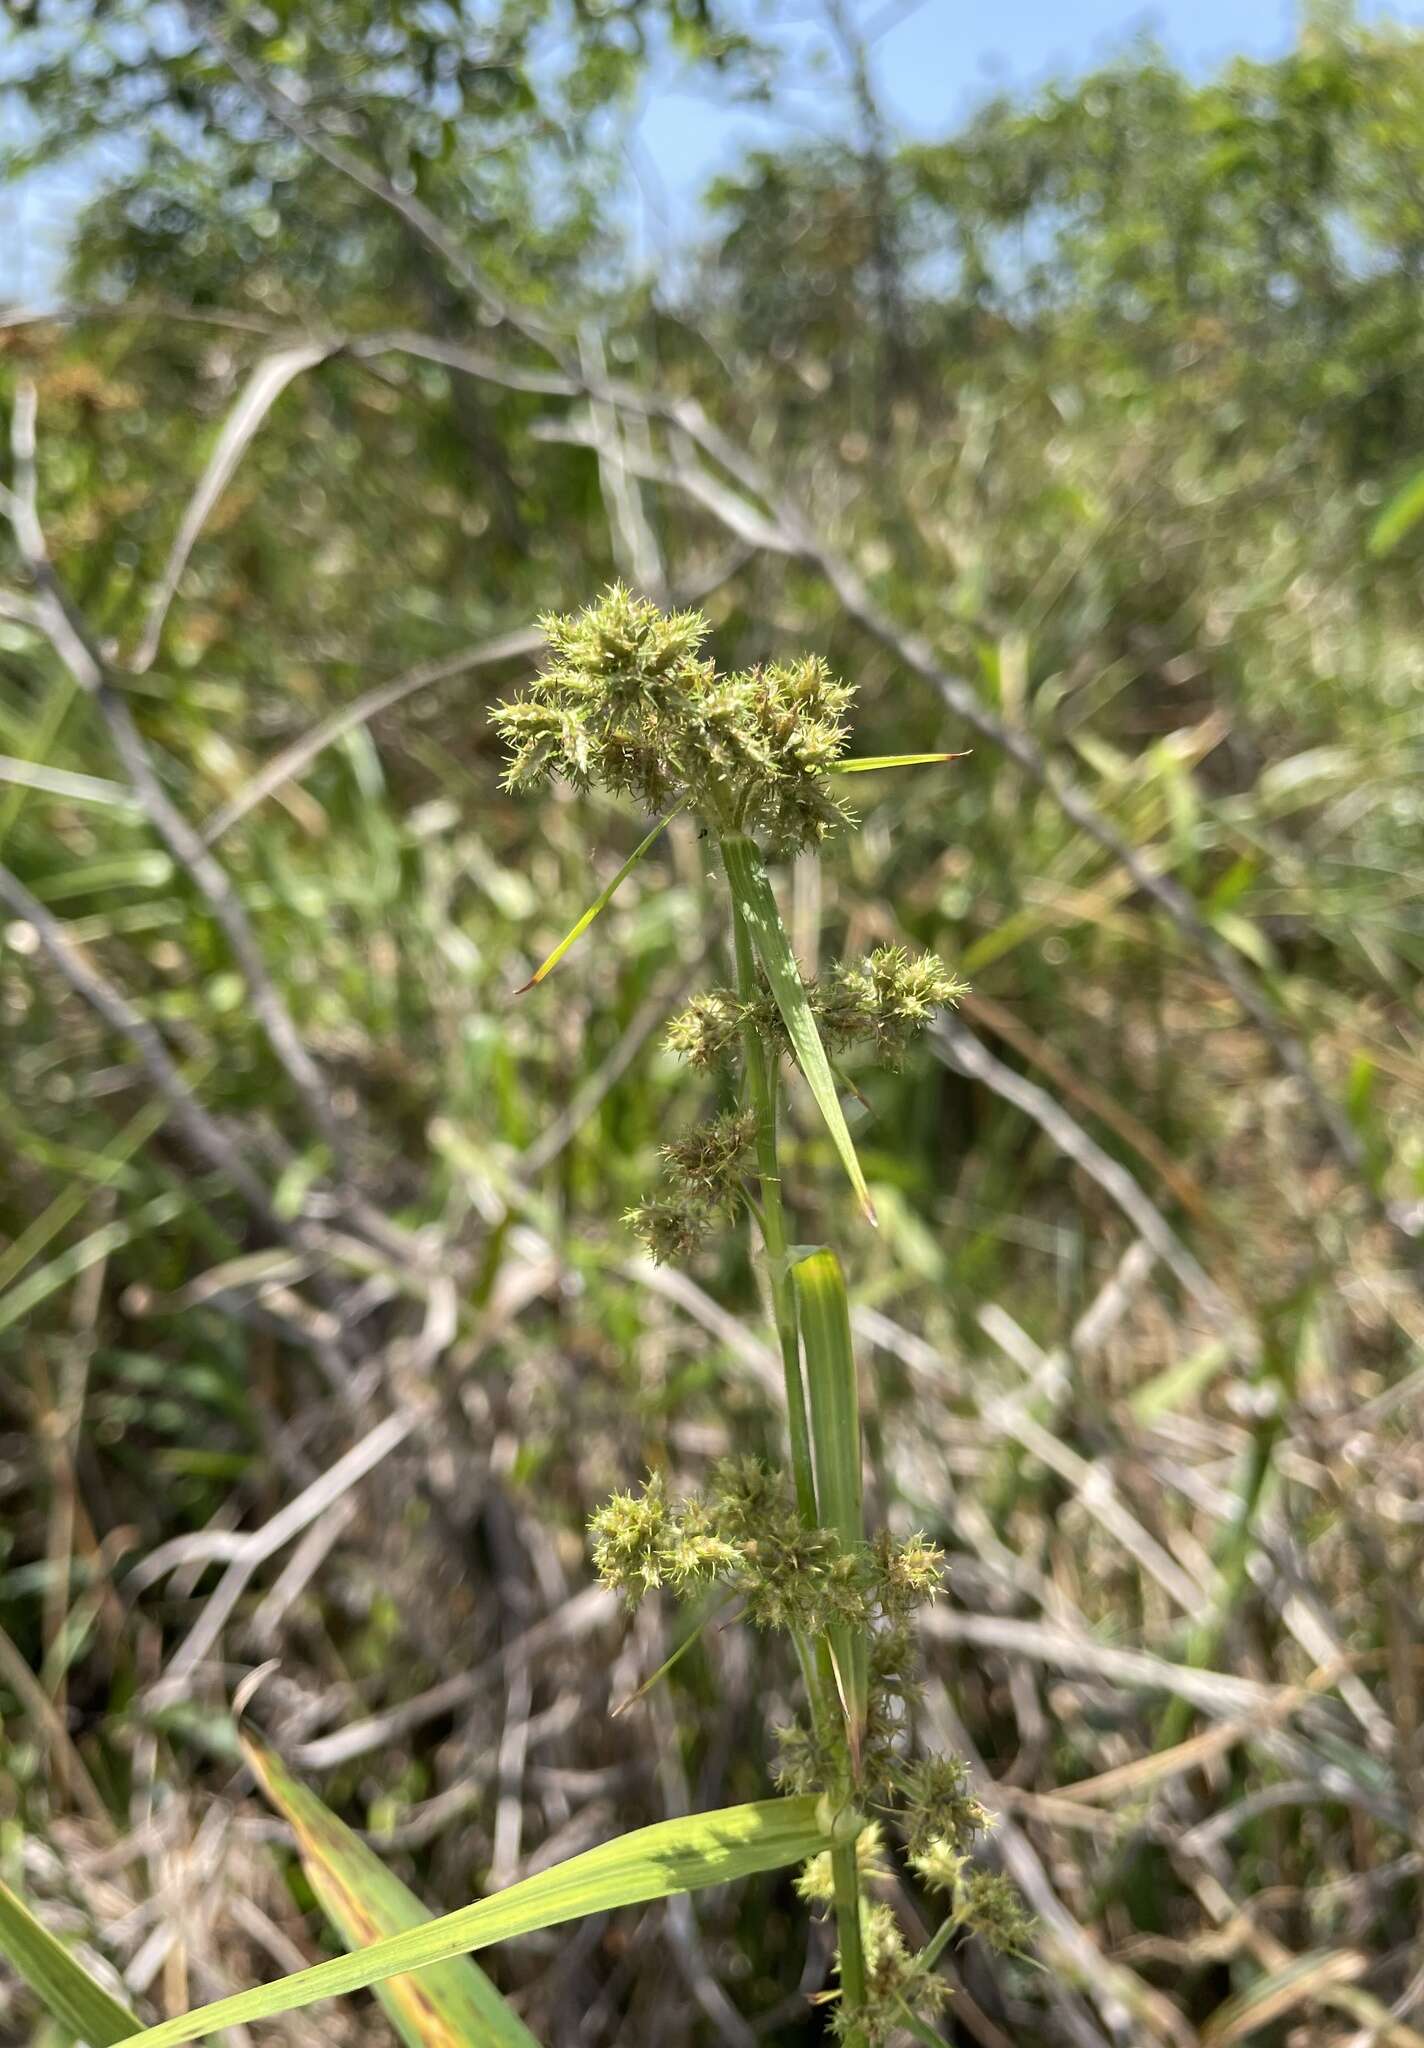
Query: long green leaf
<point x="867" y="764"/>
<point x="651" y="1863"/>
<point x="61" y="1983"/>
<point x="833" y="1395"/>
<point x="600" y="902"/>
<point x="79" y="1257"/>
<point x="1403" y="512"/>
<point x="450" y="2005"/>
<point x="756" y="906"/>
<point x="832" y="1391"/>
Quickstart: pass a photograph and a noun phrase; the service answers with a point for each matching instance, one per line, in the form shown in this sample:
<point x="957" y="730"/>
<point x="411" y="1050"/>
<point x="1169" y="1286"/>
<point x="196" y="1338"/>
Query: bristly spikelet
<point x="983" y="1902"/>
<point x="627" y="702"/>
<point x="911" y="1573"/>
<point x="815" y="1882"/>
<point x="670" y="1226"/>
<point x="707" y="1029"/>
<point x="991" y="1906"/>
<point x="887" y="1000"/>
<point x="940" y="1805"/>
<point x="706" y="1169"/>
<point x="895" y="1988"/>
<point x="629" y="1538"/>
<point x="710" y="1161"/>
<point x="884" y="1003"/>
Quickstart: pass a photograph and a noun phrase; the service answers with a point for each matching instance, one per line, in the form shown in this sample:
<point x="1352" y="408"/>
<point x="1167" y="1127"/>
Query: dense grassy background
<point x="1087" y="438"/>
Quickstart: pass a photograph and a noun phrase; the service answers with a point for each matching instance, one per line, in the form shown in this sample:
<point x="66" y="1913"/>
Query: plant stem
<point x="761" y="1076"/>
<point x="845" y="1871"/>
<point x="820" y="1684"/>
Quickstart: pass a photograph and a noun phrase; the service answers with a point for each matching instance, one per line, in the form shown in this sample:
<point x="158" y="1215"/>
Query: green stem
<point x="815" y="1661"/>
<point x="845" y="1871"/>
<point x="761" y="1076"/>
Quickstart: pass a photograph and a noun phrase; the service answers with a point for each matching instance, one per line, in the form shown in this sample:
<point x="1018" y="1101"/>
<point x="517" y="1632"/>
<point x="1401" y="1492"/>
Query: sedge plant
<point x="630" y="702"/>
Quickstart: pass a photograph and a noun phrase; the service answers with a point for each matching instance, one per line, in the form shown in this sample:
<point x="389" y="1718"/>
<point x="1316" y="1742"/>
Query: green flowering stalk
<point x="630" y="702"/>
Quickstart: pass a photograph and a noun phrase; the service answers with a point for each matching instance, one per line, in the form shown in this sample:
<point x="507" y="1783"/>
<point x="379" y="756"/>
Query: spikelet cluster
<point x="978" y="1901"/>
<point x="745" y="1536"/>
<point x="883" y="1003"/>
<point x="706" y="1171"/>
<point x="628" y="702"/>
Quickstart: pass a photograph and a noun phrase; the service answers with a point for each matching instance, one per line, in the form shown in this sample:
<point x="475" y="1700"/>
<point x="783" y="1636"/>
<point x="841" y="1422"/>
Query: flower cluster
<point x="983" y="1902"/>
<point x="746" y="1537"/>
<point x="707" y="1168"/>
<point x="939" y="1803"/>
<point x="627" y="701"/>
<point x="898" y="1984"/>
<point x="885" y="1003"/>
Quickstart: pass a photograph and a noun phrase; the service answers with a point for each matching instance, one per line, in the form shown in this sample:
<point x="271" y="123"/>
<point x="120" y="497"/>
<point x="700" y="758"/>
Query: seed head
<point x="993" y="1909"/>
<point x="710" y="1162"/>
<point x="628" y="702"/>
<point x="887" y="1001"/>
<point x="709" y="1027"/>
<point x="939" y="1804"/>
<point x="669" y="1226"/>
<point x="630" y="1534"/>
<point x="884" y="1003"/>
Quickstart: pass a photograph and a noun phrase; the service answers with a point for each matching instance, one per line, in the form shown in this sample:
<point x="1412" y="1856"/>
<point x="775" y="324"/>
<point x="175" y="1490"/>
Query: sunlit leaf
<point x="866" y="764"/>
<point x="58" y="1979"/>
<point x="599" y="903"/>
<point x="450" y="2005"/>
<point x="650" y="1863"/>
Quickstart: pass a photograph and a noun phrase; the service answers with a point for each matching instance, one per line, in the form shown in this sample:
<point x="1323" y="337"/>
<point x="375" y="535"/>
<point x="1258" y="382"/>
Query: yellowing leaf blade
<point x="870" y="764"/>
<point x="650" y="1863"/>
<point x="452" y="2004"/>
<point x="599" y="904"/>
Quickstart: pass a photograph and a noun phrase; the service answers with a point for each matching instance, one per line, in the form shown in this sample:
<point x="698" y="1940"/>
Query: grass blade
<point x="1294" y="1982"/>
<point x="650" y="1863"/>
<point x="88" y="1251"/>
<point x="867" y="764"/>
<point x="599" y="903"/>
<point x="452" y="2004"/>
<point x="58" y="1979"/>
<point x="832" y="1391"/>
<point x="756" y="906"/>
<point x="833" y="1396"/>
<point x="1403" y="512"/>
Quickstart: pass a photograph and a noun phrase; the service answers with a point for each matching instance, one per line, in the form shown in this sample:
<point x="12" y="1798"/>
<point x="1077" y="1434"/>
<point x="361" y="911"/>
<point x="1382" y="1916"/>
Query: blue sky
<point x="933" y="63"/>
<point x="939" y="60"/>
